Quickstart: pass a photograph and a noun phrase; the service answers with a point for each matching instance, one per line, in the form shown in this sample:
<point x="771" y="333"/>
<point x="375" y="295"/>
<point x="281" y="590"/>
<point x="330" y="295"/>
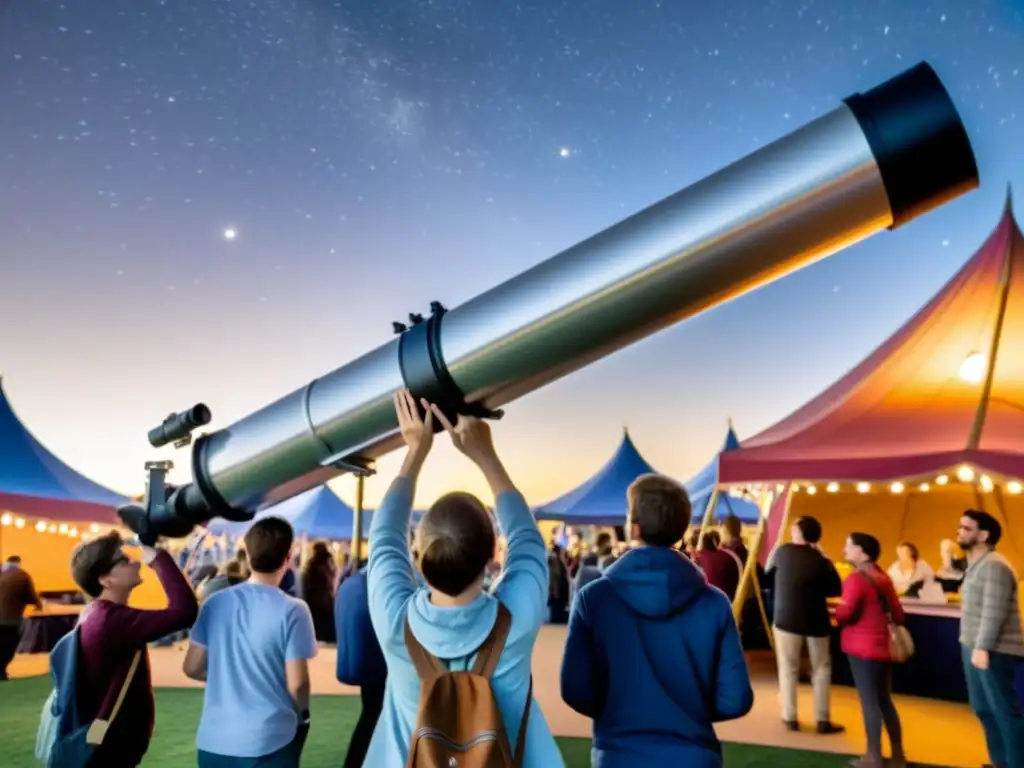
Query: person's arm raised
<point x="390" y="577"/>
<point x="139" y="626"/>
<point x="523" y="586"/>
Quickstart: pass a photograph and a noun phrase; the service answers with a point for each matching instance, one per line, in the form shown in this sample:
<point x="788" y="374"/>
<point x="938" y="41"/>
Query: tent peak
<point x="1008" y="205"/>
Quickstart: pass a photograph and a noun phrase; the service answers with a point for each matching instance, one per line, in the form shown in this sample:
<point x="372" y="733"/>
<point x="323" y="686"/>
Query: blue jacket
<point x="453" y="635"/>
<point x="360" y="660"/>
<point x="653" y="656"/>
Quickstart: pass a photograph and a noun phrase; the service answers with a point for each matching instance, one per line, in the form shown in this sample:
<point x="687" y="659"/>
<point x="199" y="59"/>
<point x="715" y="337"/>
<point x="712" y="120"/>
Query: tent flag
<point x="315" y="514"/>
<point x="600" y="500"/>
<point x="35" y="483"/>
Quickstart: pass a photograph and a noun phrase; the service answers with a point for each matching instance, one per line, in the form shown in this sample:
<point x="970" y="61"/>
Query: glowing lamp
<point x="811" y="490"/>
<point x="6" y="519"/>
<point x="1014" y="487"/>
<point x="924" y="487"/>
<point x="965" y="474"/>
<point x="19" y="523"/>
<point x="986" y="483"/>
<point x="41" y="527"/>
<point x="796" y="488"/>
<point x="73" y="532"/>
<point x="63" y="528"/>
<point x="974" y="368"/>
<point x="94" y="528"/>
<point x="832" y="487"/>
<point x="896" y="487"/>
<point x="942" y="479"/>
<point x="863" y="487"/>
<point x="52" y="529"/>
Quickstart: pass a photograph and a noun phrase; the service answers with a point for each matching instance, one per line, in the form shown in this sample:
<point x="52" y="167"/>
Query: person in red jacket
<point x="868" y="604"/>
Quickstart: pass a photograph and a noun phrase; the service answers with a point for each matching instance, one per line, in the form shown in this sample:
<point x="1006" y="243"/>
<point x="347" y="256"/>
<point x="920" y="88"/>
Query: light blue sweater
<point x="454" y="634"/>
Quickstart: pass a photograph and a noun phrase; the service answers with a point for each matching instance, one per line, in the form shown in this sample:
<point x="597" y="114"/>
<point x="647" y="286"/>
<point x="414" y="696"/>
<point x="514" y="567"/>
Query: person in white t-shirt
<point x="909" y="573"/>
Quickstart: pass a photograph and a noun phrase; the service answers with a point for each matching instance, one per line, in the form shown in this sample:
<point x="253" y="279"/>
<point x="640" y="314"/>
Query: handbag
<point x="901" y="644"/>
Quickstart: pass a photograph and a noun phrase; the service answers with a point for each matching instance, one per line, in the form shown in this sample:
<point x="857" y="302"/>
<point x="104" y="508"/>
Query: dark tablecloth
<point x="41" y="632"/>
<point x="935" y="671"/>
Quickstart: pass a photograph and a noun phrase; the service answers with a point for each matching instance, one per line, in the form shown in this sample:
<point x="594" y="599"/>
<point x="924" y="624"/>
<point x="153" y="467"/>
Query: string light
<point x="896" y="487"/>
<point x="94" y="528"/>
<point x="965" y="474"/>
<point x="1014" y="487"/>
<point x="832" y="487"/>
<point x="19" y="523"/>
<point x="942" y="479"/>
<point x="6" y="519"/>
<point x="63" y="528"/>
<point x="811" y="490"/>
<point x="924" y="487"/>
<point x="863" y="487"/>
<point x="986" y="483"/>
<point x="41" y="526"/>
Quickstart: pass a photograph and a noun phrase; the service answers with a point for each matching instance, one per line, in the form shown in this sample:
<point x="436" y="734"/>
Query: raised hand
<point x="470" y="435"/>
<point x="417" y="432"/>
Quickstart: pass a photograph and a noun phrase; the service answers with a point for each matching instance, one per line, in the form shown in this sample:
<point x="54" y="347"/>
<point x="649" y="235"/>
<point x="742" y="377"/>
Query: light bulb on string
<point x="896" y="487"/>
<point x="942" y="480"/>
<point x="965" y="474"/>
<point x="1014" y="487"/>
<point x="863" y="487"/>
<point x="832" y="487"/>
<point x="986" y="483"/>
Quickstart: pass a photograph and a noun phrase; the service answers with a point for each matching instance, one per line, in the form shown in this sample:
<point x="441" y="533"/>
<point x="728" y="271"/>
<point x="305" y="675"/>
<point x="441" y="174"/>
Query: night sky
<point x="372" y="156"/>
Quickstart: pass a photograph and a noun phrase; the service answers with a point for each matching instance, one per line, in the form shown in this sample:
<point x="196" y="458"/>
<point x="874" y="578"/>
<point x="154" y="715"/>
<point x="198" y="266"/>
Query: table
<point x="42" y="629"/>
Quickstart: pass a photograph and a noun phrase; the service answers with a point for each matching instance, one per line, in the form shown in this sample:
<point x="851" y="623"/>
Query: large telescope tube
<point x="878" y="161"/>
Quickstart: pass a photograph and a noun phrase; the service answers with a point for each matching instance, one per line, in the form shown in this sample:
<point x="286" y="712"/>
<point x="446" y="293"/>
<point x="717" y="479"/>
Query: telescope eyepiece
<point x="179" y="426"/>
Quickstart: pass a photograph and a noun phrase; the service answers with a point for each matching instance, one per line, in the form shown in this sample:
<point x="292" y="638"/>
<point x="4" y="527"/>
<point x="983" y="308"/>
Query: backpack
<point x="63" y="740"/>
<point x="459" y="724"/>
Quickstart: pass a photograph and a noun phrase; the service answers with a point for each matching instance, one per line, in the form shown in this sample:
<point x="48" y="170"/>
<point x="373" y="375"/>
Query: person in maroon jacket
<point x="869" y="598"/>
<point x="721" y="568"/>
<point x="111" y="632"/>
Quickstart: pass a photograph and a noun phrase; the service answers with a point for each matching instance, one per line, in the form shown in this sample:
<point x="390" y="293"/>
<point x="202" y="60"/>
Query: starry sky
<point x="370" y="157"/>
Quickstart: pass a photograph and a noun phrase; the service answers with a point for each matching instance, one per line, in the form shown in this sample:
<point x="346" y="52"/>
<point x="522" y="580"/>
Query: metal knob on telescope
<point x="178" y="427"/>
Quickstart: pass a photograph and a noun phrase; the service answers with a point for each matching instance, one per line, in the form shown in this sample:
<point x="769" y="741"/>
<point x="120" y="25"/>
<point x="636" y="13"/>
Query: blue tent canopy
<point x="601" y="500"/>
<point x="35" y="482"/>
<point x="316" y="514"/>
<point x="745" y="509"/>
<point x="702" y="486"/>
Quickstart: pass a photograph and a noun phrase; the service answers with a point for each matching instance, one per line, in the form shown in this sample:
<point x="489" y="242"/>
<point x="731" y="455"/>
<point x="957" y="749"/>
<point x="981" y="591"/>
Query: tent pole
<point x="750" y="567"/>
<point x="759" y="595"/>
<point x="709" y="515"/>
<point x="357" y="522"/>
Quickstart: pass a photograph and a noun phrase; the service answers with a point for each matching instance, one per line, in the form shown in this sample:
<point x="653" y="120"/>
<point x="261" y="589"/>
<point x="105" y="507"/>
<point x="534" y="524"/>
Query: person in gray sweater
<point x="990" y="638"/>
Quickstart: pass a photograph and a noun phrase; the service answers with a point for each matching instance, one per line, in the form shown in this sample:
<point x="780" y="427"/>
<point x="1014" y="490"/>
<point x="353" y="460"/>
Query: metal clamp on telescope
<point x="425" y="372"/>
<point x="156" y="516"/>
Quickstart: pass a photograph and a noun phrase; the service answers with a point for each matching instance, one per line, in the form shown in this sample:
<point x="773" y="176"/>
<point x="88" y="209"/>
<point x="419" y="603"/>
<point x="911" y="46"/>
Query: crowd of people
<point x="441" y="649"/>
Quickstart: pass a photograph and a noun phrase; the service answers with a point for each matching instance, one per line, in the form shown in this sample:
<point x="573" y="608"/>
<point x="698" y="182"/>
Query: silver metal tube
<point x="876" y="162"/>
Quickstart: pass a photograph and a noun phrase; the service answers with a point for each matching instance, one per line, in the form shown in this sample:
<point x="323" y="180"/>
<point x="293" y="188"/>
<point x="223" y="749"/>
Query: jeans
<point x="873" y="680"/>
<point x="372" y="697"/>
<point x="994" y="700"/>
<point x="286" y="757"/>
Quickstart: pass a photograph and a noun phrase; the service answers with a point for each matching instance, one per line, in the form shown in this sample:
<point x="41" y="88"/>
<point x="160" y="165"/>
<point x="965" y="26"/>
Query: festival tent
<point x="315" y="514"/>
<point x="45" y="505"/>
<point x="701" y="488"/>
<point x="601" y="500"/>
<point x="928" y="424"/>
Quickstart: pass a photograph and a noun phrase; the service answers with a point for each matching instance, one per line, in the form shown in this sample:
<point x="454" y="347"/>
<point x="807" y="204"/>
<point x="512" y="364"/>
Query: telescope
<point x="879" y="160"/>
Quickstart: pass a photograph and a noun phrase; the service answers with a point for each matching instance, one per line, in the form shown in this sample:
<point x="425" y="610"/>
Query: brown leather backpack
<point x="459" y="724"/>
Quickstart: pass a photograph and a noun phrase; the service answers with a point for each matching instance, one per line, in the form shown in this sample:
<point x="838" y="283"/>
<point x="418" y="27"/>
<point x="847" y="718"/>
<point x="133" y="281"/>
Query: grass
<point x="334" y="717"/>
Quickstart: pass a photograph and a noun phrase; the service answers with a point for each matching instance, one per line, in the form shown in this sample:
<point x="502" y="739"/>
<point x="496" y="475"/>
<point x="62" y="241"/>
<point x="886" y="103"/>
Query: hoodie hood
<point x="656" y="582"/>
<point x="452" y="633"/>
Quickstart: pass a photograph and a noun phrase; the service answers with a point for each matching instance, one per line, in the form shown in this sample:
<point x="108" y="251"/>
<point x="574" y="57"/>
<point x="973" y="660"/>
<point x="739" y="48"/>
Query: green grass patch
<point x="178" y="709"/>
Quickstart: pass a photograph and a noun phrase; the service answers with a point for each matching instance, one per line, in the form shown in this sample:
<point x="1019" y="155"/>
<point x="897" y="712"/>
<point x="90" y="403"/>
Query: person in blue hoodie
<point x="653" y="655"/>
<point x="360" y="659"/>
<point x="451" y="615"/>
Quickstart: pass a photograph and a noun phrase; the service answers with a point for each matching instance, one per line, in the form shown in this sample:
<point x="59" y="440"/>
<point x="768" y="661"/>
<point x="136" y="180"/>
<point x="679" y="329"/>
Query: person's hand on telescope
<point x="470" y="435"/>
<point x="417" y="432"/>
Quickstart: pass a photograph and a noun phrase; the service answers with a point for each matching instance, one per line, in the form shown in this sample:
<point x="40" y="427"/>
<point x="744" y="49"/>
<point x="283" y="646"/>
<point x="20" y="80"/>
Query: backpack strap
<point x="520" y="751"/>
<point x="427" y="665"/>
<point x="98" y="729"/>
<point x="489" y="652"/>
